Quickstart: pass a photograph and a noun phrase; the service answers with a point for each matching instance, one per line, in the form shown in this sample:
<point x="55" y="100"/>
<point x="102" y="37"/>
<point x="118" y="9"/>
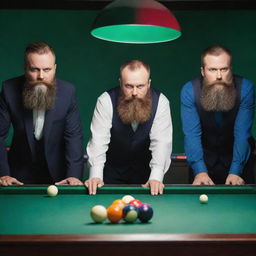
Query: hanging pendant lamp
<point x="136" y="21"/>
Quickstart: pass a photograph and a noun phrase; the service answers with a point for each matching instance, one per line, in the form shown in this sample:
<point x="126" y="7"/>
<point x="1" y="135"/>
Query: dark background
<point x="93" y="65"/>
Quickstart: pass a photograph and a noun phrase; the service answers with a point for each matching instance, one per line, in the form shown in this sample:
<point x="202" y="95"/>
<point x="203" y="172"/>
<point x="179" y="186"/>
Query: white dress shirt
<point x="160" y="138"/>
<point x="38" y="122"/>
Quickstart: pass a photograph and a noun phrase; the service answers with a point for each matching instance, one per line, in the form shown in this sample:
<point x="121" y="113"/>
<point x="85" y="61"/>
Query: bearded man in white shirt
<point x="131" y="140"/>
<point x="47" y="136"/>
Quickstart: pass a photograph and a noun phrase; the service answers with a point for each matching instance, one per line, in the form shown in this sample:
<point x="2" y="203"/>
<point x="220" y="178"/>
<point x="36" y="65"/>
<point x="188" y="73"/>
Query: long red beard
<point x="134" y="109"/>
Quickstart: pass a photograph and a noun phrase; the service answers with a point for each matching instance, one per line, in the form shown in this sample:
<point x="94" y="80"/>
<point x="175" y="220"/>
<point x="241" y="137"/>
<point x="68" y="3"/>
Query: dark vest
<point x="128" y="155"/>
<point x="217" y="140"/>
<point x="39" y="172"/>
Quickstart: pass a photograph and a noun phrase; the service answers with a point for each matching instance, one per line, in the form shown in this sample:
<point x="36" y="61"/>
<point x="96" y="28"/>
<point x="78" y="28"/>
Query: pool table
<point x="32" y="223"/>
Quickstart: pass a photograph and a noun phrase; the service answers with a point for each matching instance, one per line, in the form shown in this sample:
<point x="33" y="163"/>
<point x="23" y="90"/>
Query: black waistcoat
<point x="217" y="140"/>
<point x="128" y="155"/>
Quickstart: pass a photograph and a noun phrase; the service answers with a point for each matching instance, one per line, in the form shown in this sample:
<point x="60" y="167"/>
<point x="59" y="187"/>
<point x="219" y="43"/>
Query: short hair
<point x="215" y="50"/>
<point x="39" y="48"/>
<point x="134" y="65"/>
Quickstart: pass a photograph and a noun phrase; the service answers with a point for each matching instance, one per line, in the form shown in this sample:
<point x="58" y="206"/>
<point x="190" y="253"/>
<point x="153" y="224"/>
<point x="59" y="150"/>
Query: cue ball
<point x="203" y="199"/>
<point x="52" y="190"/>
<point x="98" y="213"/>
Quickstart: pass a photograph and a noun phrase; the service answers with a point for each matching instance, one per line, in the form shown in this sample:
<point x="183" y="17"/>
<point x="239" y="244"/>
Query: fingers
<point x="145" y="185"/>
<point x="206" y="182"/>
<point x="93" y="184"/>
<point x="234" y="179"/>
<point x="69" y="181"/>
<point x="62" y="182"/>
<point x="156" y="187"/>
<point x="8" y="181"/>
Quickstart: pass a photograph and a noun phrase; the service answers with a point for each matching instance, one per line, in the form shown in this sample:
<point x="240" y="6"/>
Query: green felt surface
<point x="28" y="210"/>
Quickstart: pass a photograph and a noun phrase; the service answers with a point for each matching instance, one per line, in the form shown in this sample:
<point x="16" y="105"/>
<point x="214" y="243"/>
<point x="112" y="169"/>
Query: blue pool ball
<point x="145" y="212"/>
<point x="130" y="213"/>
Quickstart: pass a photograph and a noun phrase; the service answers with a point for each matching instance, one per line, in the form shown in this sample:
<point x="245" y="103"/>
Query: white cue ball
<point x="98" y="213"/>
<point x="127" y="199"/>
<point x="203" y="199"/>
<point x="52" y="190"/>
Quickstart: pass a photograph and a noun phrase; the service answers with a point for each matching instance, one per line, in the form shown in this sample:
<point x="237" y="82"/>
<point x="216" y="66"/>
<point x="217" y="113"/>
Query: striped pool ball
<point x="130" y="213"/>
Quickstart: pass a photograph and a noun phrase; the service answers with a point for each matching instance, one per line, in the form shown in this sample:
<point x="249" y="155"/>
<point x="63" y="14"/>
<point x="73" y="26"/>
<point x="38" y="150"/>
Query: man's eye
<point x="212" y="69"/>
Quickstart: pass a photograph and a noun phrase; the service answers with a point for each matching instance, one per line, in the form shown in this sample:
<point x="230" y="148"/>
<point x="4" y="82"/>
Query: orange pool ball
<point x="119" y="202"/>
<point x="115" y="213"/>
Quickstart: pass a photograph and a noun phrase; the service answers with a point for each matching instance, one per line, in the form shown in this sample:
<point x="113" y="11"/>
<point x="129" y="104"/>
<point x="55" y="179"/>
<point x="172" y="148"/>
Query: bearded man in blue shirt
<point x="217" y="111"/>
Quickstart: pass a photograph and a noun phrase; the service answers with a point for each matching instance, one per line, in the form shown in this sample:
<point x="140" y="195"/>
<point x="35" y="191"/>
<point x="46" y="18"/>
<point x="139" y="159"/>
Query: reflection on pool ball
<point x="98" y="213"/>
<point x="203" y="199"/>
<point x="115" y="213"/>
<point x="145" y="212"/>
<point x="130" y="213"/>
<point x="136" y="202"/>
<point x="52" y="190"/>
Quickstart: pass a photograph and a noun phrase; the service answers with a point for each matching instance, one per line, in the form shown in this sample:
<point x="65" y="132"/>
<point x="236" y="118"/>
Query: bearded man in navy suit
<point x="47" y="138"/>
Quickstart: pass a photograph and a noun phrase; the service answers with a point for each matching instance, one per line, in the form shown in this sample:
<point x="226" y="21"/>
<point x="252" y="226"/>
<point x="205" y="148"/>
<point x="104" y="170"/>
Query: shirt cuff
<point x="156" y="174"/>
<point x="96" y="172"/>
<point x="199" y="167"/>
<point x="236" y="169"/>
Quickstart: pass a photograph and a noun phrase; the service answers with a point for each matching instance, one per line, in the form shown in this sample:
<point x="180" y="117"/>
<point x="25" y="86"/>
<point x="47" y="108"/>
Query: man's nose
<point x="219" y="75"/>
<point x="40" y="75"/>
<point x="134" y="91"/>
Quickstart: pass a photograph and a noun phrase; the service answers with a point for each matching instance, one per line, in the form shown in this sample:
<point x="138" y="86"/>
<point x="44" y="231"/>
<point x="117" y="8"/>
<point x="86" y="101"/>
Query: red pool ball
<point x="135" y="202"/>
<point x="145" y="212"/>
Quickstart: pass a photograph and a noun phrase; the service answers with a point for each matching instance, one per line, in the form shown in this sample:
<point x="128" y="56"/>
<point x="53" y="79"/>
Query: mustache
<point x="38" y="82"/>
<point x="220" y="82"/>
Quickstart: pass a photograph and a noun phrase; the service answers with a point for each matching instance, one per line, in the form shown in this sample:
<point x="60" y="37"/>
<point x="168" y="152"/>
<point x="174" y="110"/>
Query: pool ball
<point x="115" y="213"/>
<point x="119" y="202"/>
<point x="127" y="199"/>
<point x="145" y="212"/>
<point x="203" y="199"/>
<point x="130" y="213"/>
<point x="52" y="190"/>
<point x="98" y="213"/>
<point x="136" y="202"/>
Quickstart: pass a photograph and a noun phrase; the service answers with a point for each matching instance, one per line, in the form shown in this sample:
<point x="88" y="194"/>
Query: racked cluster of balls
<point x="128" y="209"/>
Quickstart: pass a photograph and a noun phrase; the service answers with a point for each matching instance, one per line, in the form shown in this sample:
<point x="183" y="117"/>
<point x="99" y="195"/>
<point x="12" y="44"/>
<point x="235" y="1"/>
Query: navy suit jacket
<point x="62" y="133"/>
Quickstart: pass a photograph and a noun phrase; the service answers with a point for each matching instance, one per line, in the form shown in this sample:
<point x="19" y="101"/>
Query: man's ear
<point x="149" y="82"/>
<point x="202" y="71"/>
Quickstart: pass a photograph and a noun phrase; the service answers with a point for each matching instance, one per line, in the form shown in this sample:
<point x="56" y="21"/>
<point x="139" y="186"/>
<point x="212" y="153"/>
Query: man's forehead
<point x="139" y="73"/>
<point x="221" y="59"/>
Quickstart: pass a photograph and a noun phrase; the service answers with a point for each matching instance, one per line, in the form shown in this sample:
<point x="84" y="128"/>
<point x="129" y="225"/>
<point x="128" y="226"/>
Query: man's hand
<point x="92" y="185"/>
<point x="156" y="187"/>
<point x="8" y="180"/>
<point x="202" y="178"/>
<point x="70" y="181"/>
<point x="234" y="179"/>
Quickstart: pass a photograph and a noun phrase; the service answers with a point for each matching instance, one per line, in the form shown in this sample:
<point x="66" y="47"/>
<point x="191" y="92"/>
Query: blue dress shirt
<point x="242" y="130"/>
